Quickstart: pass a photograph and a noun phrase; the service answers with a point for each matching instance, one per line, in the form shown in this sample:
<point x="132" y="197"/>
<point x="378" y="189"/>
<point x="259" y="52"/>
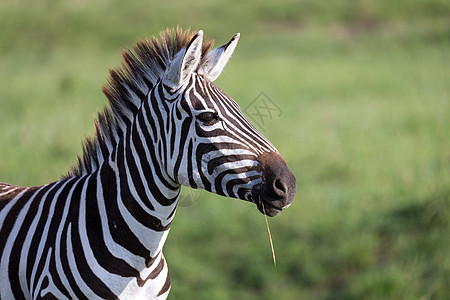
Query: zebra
<point x="98" y="233"/>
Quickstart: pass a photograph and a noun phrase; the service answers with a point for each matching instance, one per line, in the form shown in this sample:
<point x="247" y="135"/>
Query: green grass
<point x="365" y="91"/>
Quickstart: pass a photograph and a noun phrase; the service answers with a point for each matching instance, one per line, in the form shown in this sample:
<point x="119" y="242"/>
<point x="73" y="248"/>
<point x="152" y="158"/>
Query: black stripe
<point x="192" y="182"/>
<point x="156" y="110"/>
<point x="173" y="134"/>
<point x="14" y="258"/>
<point x="72" y="217"/>
<point x="157" y="270"/>
<point x="218" y="180"/>
<point x="89" y="277"/>
<point x="54" y="225"/>
<point x="11" y="217"/>
<point x="134" y="172"/>
<point x="216" y="162"/>
<point x="37" y="237"/>
<point x="119" y="229"/>
<point x="153" y="187"/>
<point x="148" y="118"/>
<point x="183" y="138"/>
<point x="198" y="155"/>
<point x="145" y="162"/>
<point x="166" y="285"/>
<point x="94" y="232"/>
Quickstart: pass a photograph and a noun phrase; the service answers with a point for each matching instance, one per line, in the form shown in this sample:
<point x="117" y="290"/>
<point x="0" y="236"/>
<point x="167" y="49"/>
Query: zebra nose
<point x="280" y="184"/>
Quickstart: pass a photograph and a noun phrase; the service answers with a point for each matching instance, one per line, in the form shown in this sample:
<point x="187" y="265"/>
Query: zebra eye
<point x="208" y="118"/>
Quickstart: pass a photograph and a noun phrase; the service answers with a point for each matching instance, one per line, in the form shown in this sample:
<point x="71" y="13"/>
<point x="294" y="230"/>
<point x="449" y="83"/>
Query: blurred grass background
<point x="364" y="88"/>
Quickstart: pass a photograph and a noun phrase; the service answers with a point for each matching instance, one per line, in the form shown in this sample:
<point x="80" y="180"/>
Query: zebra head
<point x="212" y="144"/>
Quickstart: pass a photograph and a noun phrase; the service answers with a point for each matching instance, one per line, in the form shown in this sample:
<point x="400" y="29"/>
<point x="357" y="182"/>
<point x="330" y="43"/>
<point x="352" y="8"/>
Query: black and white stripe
<point x="98" y="233"/>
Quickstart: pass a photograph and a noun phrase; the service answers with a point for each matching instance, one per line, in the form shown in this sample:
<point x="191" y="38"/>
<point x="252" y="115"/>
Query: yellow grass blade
<point x="270" y="236"/>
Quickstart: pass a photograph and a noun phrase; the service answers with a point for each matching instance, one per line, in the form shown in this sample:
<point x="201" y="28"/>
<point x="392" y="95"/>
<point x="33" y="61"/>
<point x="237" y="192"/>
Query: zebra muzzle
<point x="278" y="188"/>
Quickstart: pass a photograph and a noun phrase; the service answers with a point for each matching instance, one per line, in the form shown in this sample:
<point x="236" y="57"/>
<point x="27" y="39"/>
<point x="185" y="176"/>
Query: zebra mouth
<point x="263" y="205"/>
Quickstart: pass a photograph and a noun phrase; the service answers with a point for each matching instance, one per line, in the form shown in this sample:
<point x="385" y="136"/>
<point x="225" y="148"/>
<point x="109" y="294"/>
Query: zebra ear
<point x="214" y="62"/>
<point x="184" y="62"/>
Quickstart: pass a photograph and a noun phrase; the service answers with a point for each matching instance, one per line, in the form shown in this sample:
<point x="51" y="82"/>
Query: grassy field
<point x="364" y="87"/>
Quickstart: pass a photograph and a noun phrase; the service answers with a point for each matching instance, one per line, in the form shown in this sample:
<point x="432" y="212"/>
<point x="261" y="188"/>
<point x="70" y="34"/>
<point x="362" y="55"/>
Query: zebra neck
<point x="145" y="199"/>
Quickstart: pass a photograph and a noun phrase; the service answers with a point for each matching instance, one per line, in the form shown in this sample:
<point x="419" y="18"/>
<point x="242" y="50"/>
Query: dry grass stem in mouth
<point x="270" y="236"/>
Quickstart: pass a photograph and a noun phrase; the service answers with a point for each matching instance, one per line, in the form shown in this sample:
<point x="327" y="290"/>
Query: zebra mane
<point x="127" y="86"/>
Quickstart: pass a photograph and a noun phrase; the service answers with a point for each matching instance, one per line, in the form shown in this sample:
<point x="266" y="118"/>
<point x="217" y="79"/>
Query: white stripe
<point x="115" y="249"/>
<point x="24" y="255"/>
<point x="109" y="279"/>
<point x="5" y="287"/>
<point x="85" y="289"/>
<point x="58" y="262"/>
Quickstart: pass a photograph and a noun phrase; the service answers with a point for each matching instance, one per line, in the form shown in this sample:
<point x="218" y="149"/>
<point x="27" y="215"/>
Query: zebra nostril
<point x="279" y="187"/>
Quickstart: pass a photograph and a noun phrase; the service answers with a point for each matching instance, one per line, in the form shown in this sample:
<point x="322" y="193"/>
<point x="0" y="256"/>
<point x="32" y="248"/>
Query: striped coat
<point x="98" y="233"/>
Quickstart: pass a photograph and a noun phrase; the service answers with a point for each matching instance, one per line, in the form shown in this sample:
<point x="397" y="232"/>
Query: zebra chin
<point x="278" y="188"/>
